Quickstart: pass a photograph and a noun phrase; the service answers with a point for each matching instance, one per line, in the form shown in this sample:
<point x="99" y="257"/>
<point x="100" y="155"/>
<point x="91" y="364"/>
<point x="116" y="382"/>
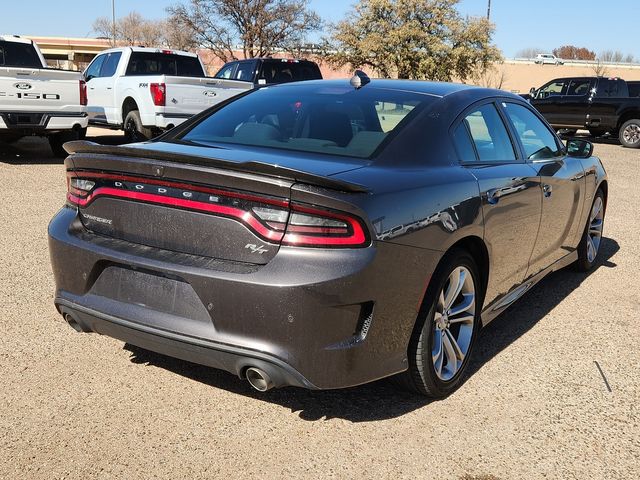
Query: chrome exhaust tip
<point x="259" y="379"/>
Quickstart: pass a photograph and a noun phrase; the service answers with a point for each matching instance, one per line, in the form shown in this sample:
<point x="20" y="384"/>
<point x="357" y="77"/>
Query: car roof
<point x="434" y="89"/>
<point x="150" y="50"/>
<point x="15" y="39"/>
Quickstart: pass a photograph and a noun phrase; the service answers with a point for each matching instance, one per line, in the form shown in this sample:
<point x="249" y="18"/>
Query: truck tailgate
<point x="192" y="95"/>
<point x="39" y="90"/>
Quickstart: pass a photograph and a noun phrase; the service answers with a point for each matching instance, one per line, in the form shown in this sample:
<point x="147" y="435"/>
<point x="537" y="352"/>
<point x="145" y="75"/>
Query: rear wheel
<point x="630" y="133"/>
<point x="592" y="237"/>
<point x="443" y="338"/>
<point x="134" y="131"/>
<point x="596" y="132"/>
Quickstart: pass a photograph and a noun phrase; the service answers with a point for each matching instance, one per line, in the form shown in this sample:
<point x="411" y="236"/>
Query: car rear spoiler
<point x="83" y="146"/>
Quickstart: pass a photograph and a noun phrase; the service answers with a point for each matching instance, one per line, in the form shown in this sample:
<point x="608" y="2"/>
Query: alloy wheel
<point x="631" y="133"/>
<point x="453" y="323"/>
<point x="596" y="223"/>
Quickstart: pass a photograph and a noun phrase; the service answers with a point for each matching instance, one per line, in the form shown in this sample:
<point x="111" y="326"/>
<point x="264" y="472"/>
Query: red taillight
<point x="273" y="220"/>
<point x="83" y="93"/>
<point x="158" y="94"/>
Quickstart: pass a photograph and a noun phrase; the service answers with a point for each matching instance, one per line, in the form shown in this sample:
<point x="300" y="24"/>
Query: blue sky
<point x="542" y="23"/>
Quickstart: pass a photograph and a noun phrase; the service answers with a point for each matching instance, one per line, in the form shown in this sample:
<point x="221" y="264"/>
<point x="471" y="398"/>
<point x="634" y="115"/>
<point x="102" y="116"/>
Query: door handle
<point x="91" y="88"/>
<point x="494" y="195"/>
<point x="547" y="189"/>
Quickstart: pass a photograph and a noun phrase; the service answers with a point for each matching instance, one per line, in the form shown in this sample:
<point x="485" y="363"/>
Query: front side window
<point x="489" y="135"/>
<point x="311" y="118"/>
<point x="553" y="89"/>
<point x="245" y="71"/>
<point x="226" y="72"/>
<point x="538" y="141"/>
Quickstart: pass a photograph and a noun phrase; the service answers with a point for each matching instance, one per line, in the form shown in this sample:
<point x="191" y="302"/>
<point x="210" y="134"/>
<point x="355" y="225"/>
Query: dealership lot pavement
<point x="535" y="406"/>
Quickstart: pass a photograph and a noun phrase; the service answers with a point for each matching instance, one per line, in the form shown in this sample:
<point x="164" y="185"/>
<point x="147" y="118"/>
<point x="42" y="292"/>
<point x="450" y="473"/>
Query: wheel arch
<point x="478" y="250"/>
<point x="627" y="115"/>
<point x="128" y="104"/>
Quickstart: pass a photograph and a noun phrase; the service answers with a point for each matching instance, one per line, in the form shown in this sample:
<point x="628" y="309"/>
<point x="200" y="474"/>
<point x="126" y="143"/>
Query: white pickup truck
<point x="36" y="100"/>
<point x="144" y="91"/>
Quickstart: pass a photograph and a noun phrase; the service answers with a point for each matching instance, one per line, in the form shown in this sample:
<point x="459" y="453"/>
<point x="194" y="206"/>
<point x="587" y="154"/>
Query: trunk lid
<point x="157" y="194"/>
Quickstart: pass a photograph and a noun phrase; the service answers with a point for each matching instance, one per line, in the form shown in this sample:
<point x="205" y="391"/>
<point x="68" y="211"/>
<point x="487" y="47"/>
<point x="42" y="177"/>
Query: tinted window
<point x="13" y="54"/>
<point x="558" y="87"/>
<point x="613" y="88"/>
<point x="579" y="87"/>
<point x="537" y="139"/>
<point x="245" y="71"/>
<point x="110" y="64"/>
<point x="323" y="119"/>
<point x="282" y="71"/>
<point x="634" y="89"/>
<point x="226" y="71"/>
<point x="490" y="135"/>
<point x="462" y="140"/>
<point x="93" y="70"/>
<point x="152" y="63"/>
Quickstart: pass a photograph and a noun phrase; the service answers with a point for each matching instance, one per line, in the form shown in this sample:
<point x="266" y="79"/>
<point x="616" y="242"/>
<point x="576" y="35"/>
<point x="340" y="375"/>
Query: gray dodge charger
<point x="326" y="234"/>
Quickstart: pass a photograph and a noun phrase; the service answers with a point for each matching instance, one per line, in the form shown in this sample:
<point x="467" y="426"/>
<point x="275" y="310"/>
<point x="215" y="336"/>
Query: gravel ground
<point x="535" y="405"/>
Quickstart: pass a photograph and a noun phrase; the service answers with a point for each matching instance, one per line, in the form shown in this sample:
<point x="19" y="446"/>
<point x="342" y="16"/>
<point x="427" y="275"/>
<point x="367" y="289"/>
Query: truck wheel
<point x="57" y="140"/>
<point x="597" y="132"/>
<point x="82" y="133"/>
<point x="134" y="131"/>
<point x="630" y="133"/>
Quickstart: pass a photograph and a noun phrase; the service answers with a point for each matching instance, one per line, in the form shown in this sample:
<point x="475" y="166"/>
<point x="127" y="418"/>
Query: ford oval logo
<point x="22" y="86"/>
<point x="209" y="93"/>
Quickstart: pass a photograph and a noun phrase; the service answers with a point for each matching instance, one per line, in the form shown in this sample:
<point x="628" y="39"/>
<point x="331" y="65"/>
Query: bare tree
<point x="132" y="29"/>
<point x="259" y="27"/>
<point x="600" y="69"/>
<point x="529" y="52"/>
<point x="494" y="77"/>
<point x="610" y="56"/>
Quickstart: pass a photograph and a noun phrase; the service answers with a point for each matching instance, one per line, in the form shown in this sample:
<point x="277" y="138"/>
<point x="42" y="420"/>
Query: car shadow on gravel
<point x="381" y="400"/>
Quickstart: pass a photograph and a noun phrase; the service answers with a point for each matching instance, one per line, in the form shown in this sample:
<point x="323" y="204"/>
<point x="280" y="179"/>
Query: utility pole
<point x="489" y="10"/>
<point x="113" y="18"/>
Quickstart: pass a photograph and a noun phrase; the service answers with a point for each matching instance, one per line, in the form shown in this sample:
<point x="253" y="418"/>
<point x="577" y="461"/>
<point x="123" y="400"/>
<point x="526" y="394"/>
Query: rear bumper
<point x="41" y="123"/>
<point x="165" y="120"/>
<point x="224" y="357"/>
<point x="315" y="318"/>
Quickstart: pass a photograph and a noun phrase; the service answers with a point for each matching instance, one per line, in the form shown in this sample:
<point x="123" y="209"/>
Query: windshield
<point x="337" y="120"/>
<point x="15" y="54"/>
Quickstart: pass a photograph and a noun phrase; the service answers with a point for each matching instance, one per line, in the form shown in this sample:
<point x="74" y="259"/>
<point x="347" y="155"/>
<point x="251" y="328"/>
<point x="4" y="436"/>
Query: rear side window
<point x="490" y="135"/>
<point x="152" y="63"/>
<point x="537" y="140"/>
<point x="15" y="54"/>
<point x="463" y="144"/>
<point x="579" y="87"/>
<point x="318" y="118"/>
<point x="634" y="89"/>
<point x="283" y="71"/>
<point x="110" y="64"/>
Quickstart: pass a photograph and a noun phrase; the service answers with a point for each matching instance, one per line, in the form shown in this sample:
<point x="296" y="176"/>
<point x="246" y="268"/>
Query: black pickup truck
<point x="268" y="71"/>
<point x="598" y="104"/>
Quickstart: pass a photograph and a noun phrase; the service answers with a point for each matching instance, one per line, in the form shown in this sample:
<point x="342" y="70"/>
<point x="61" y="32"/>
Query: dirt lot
<point x="535" y="406"/>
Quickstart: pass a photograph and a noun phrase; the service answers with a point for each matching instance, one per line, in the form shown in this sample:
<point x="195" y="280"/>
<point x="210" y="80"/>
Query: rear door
<point x="510" y="192"/>
<point x="562" y="186"/>
<point x="574" y="106"/>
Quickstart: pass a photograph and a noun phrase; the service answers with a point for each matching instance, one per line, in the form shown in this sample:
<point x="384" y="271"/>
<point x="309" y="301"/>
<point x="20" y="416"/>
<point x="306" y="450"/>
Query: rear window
<point x="13" y="54"/>
<point x="327" y="119"/>
<point x="152" y="63"/>
<point x="283" y="71"/>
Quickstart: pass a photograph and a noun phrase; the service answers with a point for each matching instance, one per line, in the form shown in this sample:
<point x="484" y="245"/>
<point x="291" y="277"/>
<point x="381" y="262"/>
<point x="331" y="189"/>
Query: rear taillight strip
<point x="352" y="235"/>
<point x="235" y="213"/>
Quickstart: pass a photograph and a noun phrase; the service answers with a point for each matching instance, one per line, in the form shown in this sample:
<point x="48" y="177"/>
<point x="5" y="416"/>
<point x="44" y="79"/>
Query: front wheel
<point x="592" y="236"/>
<point x="57" y="141"/>
<point x="630" y="133"/>
<point x="443" y="339"/>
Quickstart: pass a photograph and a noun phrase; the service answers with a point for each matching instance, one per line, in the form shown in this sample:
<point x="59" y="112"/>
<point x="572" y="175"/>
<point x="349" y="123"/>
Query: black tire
<point x="57" y="141"/>
<point x="567" y="132"/>
<point x="596" y="132"/>
<point x="629" y="134"/>
<point x="134" y="131"/>
<point x="586" y="262"/>
<point x="82" y="133"/>
<point x="421" y="376"/>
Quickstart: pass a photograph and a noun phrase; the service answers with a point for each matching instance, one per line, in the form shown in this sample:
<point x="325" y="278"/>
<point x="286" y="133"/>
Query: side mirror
<point x="576" y="147"/>
<point x="532" y="92"/>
